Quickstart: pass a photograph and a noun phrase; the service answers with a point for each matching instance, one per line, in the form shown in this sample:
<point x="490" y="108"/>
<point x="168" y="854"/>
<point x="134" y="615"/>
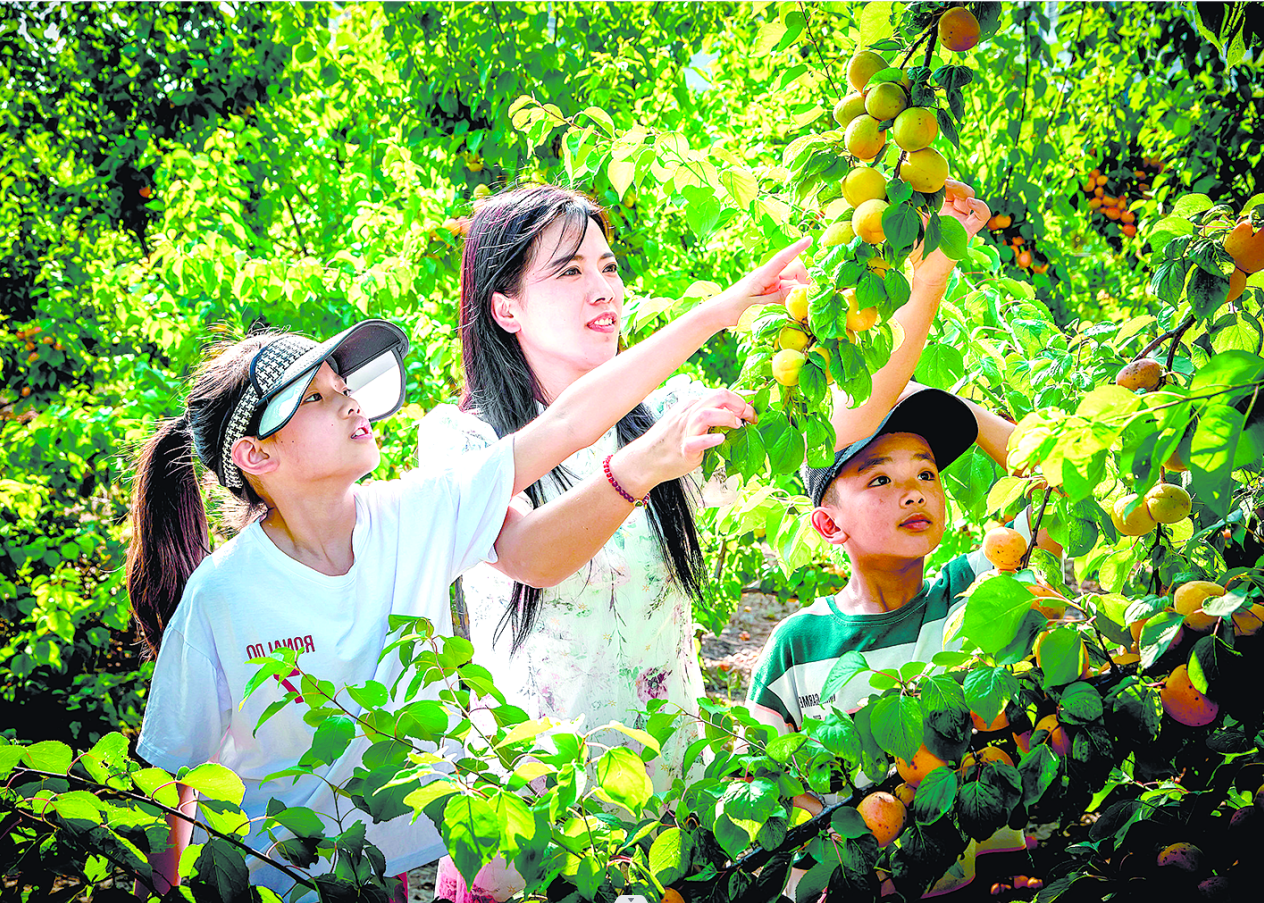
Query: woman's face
<point x="569" y="311"/>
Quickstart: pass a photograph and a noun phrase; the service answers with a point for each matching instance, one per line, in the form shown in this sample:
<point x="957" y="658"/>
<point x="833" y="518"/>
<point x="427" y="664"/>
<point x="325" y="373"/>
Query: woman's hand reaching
<point x="674" y="446"/>
<point x="767" y="284"/>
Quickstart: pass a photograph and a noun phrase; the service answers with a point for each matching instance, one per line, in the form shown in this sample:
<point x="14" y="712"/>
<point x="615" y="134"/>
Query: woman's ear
<point x="505" y="312"/>
<point x="824" y="524"/>
<point x="251" y="457"/>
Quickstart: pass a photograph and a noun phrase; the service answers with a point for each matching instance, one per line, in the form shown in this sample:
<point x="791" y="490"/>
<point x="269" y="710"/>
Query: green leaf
<point x="741" y="185"/>
<point x="621" y="173"/>
<point x="875" y="22"/>
<point x="220" y="871"/>
<point x="158" y="785"/>
<point x="987" y="690"/>
<point x="995" y="611"/>
<point x="898" y="724"/>
<point x="333" y="736"/>
<point x="847" y="823"/>
<point x="1061" y="656"/>
<point x="48" y="755"/>
<point x="785" y="446"/>
<point x="1080" y="704"/>
<point x="471" y="833"/>
<point x="755" y="800"/>
<point x="370" y="695"/>
<point x="1212" y="456"/>
<point x="900" y="224"/>
<point x="1038" y="770"/>
<point x="215" y="782"/>
<point x="622" y="779"/>
<point x="935" y="795"/>
<point x="953" y="238"/>
<point x="980" y="809"/>
<point x="671" y="856"/>
<point x="848" y="665"/>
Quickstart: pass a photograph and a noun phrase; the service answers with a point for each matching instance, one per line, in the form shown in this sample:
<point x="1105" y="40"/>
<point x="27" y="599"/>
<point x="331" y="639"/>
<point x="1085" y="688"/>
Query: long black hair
<point x="502" y="389"/>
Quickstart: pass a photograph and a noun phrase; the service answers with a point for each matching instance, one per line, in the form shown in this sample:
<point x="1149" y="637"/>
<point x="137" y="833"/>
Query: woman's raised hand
<point x="767" y="284"/>
<point x="674" y="445"/>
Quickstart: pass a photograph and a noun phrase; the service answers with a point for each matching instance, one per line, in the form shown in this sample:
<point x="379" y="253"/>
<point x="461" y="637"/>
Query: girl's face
<point x="327" y="439"/>
<point x="569" y="311"/>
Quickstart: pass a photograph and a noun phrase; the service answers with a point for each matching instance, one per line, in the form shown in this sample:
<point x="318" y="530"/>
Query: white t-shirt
<point x="412" y="538"/>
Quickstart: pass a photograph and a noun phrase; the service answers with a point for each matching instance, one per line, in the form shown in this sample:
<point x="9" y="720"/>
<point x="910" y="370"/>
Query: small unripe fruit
<point x="792" y="338"/>
<point x="915" y="129"/>
<point x="1167" y="503"/>
<point x="864" y="183"/>
<point x="1138" y="523"/>
<point x="786" y="365"/>
<point x="859" y="320"/>
<point x="862" y="67"/>
<point x="886" y="101"/>
<point x="837" y="234"/>
<point x="867" y="221"/>
<point x="926" y="170"/>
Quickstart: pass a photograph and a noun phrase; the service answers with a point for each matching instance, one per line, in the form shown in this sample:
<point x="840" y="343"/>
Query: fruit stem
<point x="1035" y="529"/>
<point x="928" y="33"/>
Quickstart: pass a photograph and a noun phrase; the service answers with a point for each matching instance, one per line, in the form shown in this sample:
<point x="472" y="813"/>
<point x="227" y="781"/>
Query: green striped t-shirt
<point x="803" y="648"/>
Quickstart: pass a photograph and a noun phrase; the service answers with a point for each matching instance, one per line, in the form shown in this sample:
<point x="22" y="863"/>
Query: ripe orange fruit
<point x="1237" y="284"/>
<point x="1094" y="203"/>
<point x="958" y="29"/>
<point x="863" y="138"/>
<point x="1102" y="180"/>
<point x="1188" y="601"/>
<point x="1111" y="212"/>
<point x="862" y="67"/>
<point x="986" y="754"/>
<point x="1023" y="740"/>
<point x="1005" y="220"/>
<point x="884" y="816"/>
<point x="1182" y="856"/>
<point x="1040" y="268"/>
<point x="1004" y="547"/>
<point x="671" y="895"/>
<point x="924" y="761"/>
<point x="1018" y="241"/>
<point x="1058" y="740"/>
<point x="867" y="221"/>
<point x="1048" y="601"/>
<point x="1249" y="622"/>
<point x="1129" y="230"/>
<point x="26" y="390"/>
<point x="998" y="722"/>
<point x="926" y="170"/>
<point x="1127" y="217"/>
<point x="1023" y="259"/>
<point x="859" y="320"/>
<point x="1246" y="247"/>
<point x="1184" y="703"/>
<point x="905" y="793"/>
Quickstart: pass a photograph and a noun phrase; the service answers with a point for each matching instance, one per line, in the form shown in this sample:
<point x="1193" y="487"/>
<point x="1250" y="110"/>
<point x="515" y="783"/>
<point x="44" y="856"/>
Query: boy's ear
<point x="251" y="457"/>
<point x="823" y="523"/>
<point x="504" y="312"/>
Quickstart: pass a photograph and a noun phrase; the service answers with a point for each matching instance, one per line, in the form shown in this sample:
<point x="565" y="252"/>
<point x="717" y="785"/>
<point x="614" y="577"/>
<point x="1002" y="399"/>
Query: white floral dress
<point x="609" y="638"/>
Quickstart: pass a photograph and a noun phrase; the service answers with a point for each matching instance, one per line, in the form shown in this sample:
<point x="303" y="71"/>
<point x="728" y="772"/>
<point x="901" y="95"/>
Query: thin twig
<point x="794" y="837"/>
<point x="1176" y="341"/>
<point x="297" y="228"/>
<point x="1035" y="529"/>
<point x="807" y="25"/>
<point x="918" y="43"/>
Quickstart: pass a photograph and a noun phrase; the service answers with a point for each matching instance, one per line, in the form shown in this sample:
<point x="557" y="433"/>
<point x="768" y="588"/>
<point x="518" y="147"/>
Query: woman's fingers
<point x="770" y="272"/>
<point x="696" y="445"/>
<point x="730" y="400"/>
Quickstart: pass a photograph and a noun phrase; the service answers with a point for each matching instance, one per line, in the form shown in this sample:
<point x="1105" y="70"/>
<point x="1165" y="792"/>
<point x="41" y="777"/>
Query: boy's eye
<point x="879" y="481"/>
<point x="315" y="396"/>
<point x="927" y="475"/>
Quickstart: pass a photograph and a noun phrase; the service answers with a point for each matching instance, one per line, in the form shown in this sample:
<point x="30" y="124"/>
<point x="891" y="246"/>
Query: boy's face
<point x="887" y="502"/>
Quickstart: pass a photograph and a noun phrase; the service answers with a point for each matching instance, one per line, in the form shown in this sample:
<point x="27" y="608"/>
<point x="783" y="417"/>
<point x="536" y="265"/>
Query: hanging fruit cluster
<point x="1008" y="233"/>
<point x="871" y="188"/>
<point x="1109" y="192"/>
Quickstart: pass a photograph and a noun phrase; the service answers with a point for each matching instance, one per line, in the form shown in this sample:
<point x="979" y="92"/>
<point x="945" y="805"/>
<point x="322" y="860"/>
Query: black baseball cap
<point x="941" y="418"/>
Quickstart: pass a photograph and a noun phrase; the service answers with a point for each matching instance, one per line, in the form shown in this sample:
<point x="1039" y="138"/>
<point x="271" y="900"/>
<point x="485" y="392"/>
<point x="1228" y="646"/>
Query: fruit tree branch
<point x="796" y="836"/>
<point x="1176" y="340"/>
<point x="1175" y="333"/>
<point x="1035" y="529"/>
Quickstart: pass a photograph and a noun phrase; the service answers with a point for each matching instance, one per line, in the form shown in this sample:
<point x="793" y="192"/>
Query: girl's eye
<point x="613" y="269"/>
<point x="570" y="271"/>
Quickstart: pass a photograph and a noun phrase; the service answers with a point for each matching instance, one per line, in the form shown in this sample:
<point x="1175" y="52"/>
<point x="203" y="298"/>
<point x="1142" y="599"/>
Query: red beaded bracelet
<point x="605" y="465"/>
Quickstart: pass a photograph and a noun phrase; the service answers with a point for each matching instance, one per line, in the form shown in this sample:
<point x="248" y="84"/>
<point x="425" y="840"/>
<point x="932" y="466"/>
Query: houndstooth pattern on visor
<point x="266" y="373"/>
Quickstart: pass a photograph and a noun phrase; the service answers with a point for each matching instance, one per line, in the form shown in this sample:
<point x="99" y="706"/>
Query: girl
<point x="588" y="610"/>
<point x="283" y="423"/>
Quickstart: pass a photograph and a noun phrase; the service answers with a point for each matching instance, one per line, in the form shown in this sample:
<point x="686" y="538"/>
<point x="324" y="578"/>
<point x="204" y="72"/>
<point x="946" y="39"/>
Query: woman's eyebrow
<point x="562" y="261"/>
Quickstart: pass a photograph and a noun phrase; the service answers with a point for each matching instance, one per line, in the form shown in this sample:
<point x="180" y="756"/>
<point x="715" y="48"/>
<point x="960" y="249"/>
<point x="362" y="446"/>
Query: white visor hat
<point x="369" y="357"/>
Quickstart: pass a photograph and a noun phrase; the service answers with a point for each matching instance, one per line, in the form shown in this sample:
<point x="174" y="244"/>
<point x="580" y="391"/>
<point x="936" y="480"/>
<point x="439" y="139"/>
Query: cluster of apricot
<point x="1109" y="196"/>
<point x="31" y="347"/>
<point x="795" y="341"/>
<point x="1007" y="234"/>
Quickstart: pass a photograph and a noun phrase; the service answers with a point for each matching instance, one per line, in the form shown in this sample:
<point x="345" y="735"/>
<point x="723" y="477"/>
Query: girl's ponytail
<point x="170" y="534"/>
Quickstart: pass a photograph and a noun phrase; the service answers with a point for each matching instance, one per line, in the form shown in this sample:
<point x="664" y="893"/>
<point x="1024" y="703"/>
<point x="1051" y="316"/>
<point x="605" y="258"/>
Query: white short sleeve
<point x="472" y="503"/>
<point x="189" y="707"/>
<point x="448" y="432"/>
